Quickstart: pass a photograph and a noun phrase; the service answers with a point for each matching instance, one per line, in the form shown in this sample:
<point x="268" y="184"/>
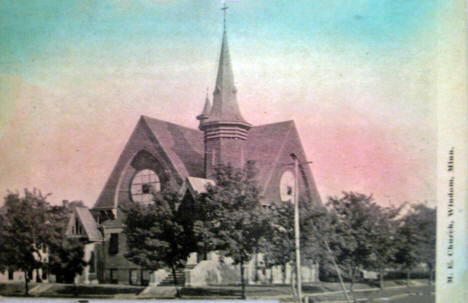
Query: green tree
<point x="24" y="232"/>
<point x="383" y="237"/>
<point x="417" y="236"/>
<point x="66" y="255"/>
<point x="361" y="234"/>
<point x="353" y="223"/>
<point x="426" y="220"/>
<point x="29" y="228"/>
<point x="157" y="236"/>
<point x="279" y="245"/>
<point x="235" y="220"/>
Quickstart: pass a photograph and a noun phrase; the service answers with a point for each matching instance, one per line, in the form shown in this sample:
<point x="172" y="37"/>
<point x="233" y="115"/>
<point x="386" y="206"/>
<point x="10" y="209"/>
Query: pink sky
<point x="364" y="101"/>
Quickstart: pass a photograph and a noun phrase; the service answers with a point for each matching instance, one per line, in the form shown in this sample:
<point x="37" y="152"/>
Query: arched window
<point x="144" y="184"/>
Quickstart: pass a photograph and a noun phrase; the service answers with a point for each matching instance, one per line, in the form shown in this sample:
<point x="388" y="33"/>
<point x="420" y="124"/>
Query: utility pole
<point x="296" y="226"/>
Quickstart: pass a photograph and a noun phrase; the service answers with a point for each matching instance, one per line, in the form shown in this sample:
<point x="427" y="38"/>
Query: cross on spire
<point x="224" y="8"/>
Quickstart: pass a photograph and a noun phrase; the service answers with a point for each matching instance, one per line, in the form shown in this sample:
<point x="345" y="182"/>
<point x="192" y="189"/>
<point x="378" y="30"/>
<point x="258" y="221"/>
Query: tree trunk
<point x="352" y="274"/>
<point x="431" y="272"/>
<point x="174" y="277"/>
<point x="26" y="286"/>
<point x="283" y="273"/>
<point x="381" y="277"/>
<point x="351" y="280"/>
<point x="256" y="276"/>
<point x="408" y="277"/>
<point x="242" y="280"/>
<point x="75" y="289"/>
<point x="38" y="278"/>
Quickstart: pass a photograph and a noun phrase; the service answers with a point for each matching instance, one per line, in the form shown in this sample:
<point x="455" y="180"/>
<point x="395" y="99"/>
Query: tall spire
<point x="225" y="107"/>
<point x="225" y="131"/>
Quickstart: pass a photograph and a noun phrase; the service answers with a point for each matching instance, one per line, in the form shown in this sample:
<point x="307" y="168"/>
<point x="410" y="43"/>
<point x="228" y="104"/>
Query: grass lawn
<point x="13" y="288"/>
<point x="318" y="292"/>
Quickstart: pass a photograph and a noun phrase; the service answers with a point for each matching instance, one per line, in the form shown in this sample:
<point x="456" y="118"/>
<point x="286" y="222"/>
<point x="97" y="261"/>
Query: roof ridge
<point x="164" y="121"/>
<point x="274" y="123"/>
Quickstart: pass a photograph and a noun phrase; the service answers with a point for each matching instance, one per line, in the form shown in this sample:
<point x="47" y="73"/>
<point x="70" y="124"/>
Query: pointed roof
<point x="265" y="145"/>
<point x="269" y="145"/>
<point x="180" y="146"/>
<point x="87" y="221"/>
<point x="225" y="107"/>
<point x="206" y="109"/>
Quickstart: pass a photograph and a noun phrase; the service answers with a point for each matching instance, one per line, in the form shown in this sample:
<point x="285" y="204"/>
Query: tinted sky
<point x="358" y="77"/>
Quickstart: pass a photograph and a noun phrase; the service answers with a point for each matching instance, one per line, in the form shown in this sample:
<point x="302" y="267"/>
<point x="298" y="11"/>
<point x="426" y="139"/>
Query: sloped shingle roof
<point x="89" y="224"/>
<point x="184" y="148"/>
<point x="264" y="146"/>
<point x="183" y="145"/>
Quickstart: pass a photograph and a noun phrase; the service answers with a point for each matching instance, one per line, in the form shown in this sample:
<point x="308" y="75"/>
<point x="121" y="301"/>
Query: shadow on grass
<point x="14" y="288"/>
<point x="61" y="290"/>
<point x="211" y="292"/>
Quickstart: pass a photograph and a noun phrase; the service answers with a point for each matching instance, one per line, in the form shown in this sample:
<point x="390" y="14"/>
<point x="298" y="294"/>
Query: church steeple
<point x="225" y="130"/>
<point x="225" y="107"/>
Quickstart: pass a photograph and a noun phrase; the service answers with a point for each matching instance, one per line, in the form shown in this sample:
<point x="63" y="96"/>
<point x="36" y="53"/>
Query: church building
<point x="160" y="153"/>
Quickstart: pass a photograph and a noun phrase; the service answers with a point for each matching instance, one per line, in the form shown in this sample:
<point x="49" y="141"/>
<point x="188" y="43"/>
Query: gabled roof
<point x="184" y="149"/>
<point x="87" y="222"/>
<point x="269" y="146"/>
<point x="265" y="145"/>
<point x="183" y="145"/>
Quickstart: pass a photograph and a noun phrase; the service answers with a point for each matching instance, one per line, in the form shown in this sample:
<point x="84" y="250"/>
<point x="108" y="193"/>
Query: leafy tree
<point x="348" y="237"/>
<point x="30" y="226"/>
<point x="235" y="219"/>
<point x="156" y="234"/>
<point x="362" y="234"/>
<point x="417" y="235"/>
<point x="280" y="243"/>
<point x="24" y="227"/>
<point x="383" y="237"/>
<point x="66" y="255"/>
<point x="351" y="220"/>
<point x="426" y="220"/>
<point x="66" y="260"/>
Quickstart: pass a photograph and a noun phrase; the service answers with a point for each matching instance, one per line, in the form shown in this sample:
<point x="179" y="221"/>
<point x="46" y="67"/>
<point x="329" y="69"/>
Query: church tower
<point x="225" y="130"/>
